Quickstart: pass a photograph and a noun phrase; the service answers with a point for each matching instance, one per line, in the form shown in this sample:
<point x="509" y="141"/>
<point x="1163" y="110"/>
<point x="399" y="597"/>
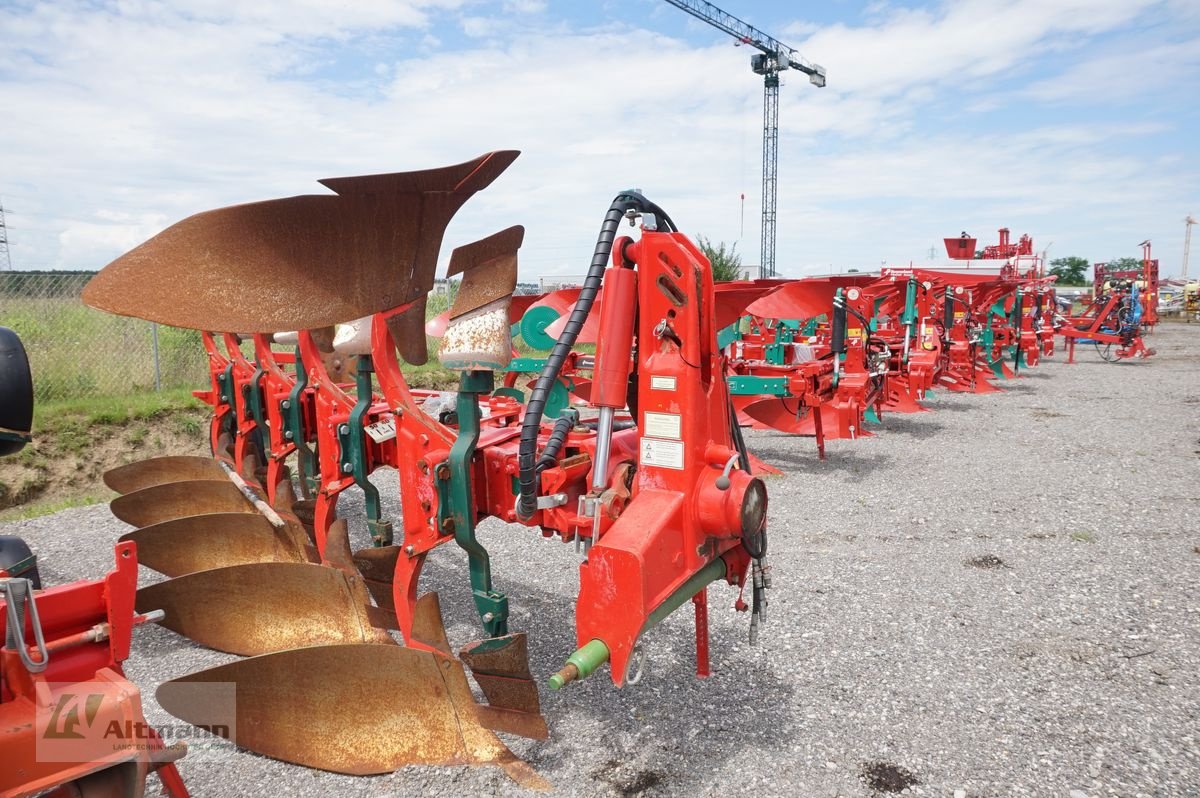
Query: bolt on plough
<point x="651" y="480"/>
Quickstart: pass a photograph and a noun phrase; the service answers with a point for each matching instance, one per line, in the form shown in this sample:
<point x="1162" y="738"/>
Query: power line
<point x="6" y="259"/>
<point x="1187" y="243"/>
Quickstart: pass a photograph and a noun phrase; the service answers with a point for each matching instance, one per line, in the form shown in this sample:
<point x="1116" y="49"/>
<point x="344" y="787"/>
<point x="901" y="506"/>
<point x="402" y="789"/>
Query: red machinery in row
<point x="868" y="344"/>
<point x="1123" y="306"/>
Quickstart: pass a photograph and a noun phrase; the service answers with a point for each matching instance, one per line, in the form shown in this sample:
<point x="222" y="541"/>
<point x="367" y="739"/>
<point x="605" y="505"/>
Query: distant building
<point x="557" y="281"/>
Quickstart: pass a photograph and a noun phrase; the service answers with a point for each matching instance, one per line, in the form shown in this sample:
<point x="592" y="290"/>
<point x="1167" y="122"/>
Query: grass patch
<point x="1083" y="537"/>
<point x="75" y="350"/>
<point x="137" y="435"/>
<point x="56" y="416"/>
<point x="35" y="509"/>
<point x="76" y="440"/>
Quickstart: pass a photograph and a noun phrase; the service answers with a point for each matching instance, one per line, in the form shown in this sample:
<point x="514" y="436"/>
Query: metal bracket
<point x="636" y="667"/>
<point x="723" y="481"/>
<point x="547" y="502"/>
<point x="17" y="592"/>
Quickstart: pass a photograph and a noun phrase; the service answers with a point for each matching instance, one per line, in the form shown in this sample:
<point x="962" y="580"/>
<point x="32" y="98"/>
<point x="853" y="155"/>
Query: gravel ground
<point x="1001" y="597"/>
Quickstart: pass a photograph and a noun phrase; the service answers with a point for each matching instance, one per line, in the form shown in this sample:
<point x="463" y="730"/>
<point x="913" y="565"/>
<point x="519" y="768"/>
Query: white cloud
<point x="126" y="120"/>
<point x="1120" y="74"/>
<point x="525" y="6"/>
<point x="955" y="42"/>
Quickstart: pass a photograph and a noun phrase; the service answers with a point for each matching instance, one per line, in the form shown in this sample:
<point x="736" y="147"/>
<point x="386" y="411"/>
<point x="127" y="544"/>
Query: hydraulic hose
<point x="837" y="332"/>
<point x="527" y="458"/>
<point x="557" y="437"/>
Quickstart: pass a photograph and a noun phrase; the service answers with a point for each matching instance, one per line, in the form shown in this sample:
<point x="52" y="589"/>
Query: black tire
<point x="19" y="560"/>
<point x="16" y="390"/>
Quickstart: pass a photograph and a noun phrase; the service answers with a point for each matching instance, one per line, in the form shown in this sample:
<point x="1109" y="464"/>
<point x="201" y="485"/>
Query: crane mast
<point x="773" y="57"/>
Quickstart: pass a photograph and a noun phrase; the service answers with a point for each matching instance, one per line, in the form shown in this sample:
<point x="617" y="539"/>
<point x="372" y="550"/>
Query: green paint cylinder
<point x="581" y="664"/>
<point x="910" y="303"/>
<point x="589" y="657"/>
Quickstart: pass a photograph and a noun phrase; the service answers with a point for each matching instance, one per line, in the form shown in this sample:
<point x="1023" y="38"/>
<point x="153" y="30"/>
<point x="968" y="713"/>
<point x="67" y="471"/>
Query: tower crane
<point x="773" y="57"/>
<point x="1187" y="243"/>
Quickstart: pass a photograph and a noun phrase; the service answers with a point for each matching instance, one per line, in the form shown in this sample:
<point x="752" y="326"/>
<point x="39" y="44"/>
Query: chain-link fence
<point x="79" y="352"/>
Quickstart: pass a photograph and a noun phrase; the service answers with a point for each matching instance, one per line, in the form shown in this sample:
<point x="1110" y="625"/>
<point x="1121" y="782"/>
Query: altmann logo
<point x="140" y="730"/>
<point x="73" y="711"/>
<point x="65" y="718"/>
<point x="86" y="721"/>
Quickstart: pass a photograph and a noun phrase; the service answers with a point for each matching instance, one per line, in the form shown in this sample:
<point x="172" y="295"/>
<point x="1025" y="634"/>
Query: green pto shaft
<point x="583" y="663"/>
<point x="588" y="658"/>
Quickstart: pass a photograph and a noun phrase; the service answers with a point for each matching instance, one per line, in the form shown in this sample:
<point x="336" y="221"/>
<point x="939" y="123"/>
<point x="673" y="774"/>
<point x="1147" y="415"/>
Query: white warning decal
<point x="662" y="383"/>
<point x="663" y="425"/>
<point x="664" y="454"/>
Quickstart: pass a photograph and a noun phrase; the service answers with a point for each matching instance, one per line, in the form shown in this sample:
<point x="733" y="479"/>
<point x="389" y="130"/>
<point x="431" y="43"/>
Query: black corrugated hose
<point x="527" y="459"/>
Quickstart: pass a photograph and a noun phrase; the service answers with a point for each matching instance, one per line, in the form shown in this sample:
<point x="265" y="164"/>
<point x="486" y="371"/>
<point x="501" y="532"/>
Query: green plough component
<point x="457" y="505"/>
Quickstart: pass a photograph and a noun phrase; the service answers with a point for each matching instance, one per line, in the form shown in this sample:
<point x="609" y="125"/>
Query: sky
<point x="1072" y="120"/>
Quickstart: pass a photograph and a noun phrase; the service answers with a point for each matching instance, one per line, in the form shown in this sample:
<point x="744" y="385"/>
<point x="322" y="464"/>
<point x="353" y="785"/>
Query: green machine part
<point x="987" y="339"/>
<point x="457" y="505"/>
<point x="352" y="441"/>
<point x="293" y="429"/>
<point x="227" y="395"/>
<point x="730" y="334"/>
<point x="254" y="398"/>
<point x="534" y="323"/>
<point x="559" y="398"/>
<point x="758" y="386"/>
<point x="1015" y="321"/>
<point x="909" y="317"/>
<point x="785" y="333"/>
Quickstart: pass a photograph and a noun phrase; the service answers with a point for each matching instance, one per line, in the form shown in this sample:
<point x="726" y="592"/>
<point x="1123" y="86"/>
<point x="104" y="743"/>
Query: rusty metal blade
<point x="378" y="568"/>
<point x="171" y="500"/>
<point x="500" y="666"/>
<point x="263" y="607"/>
<point x="489" y="269"/>
<point x="216" y="540"/>
<point x="157" y="470"/>
<point x="407" y="327"/>
<point x="300" y="262"/>
<point x="354" y="709"/>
